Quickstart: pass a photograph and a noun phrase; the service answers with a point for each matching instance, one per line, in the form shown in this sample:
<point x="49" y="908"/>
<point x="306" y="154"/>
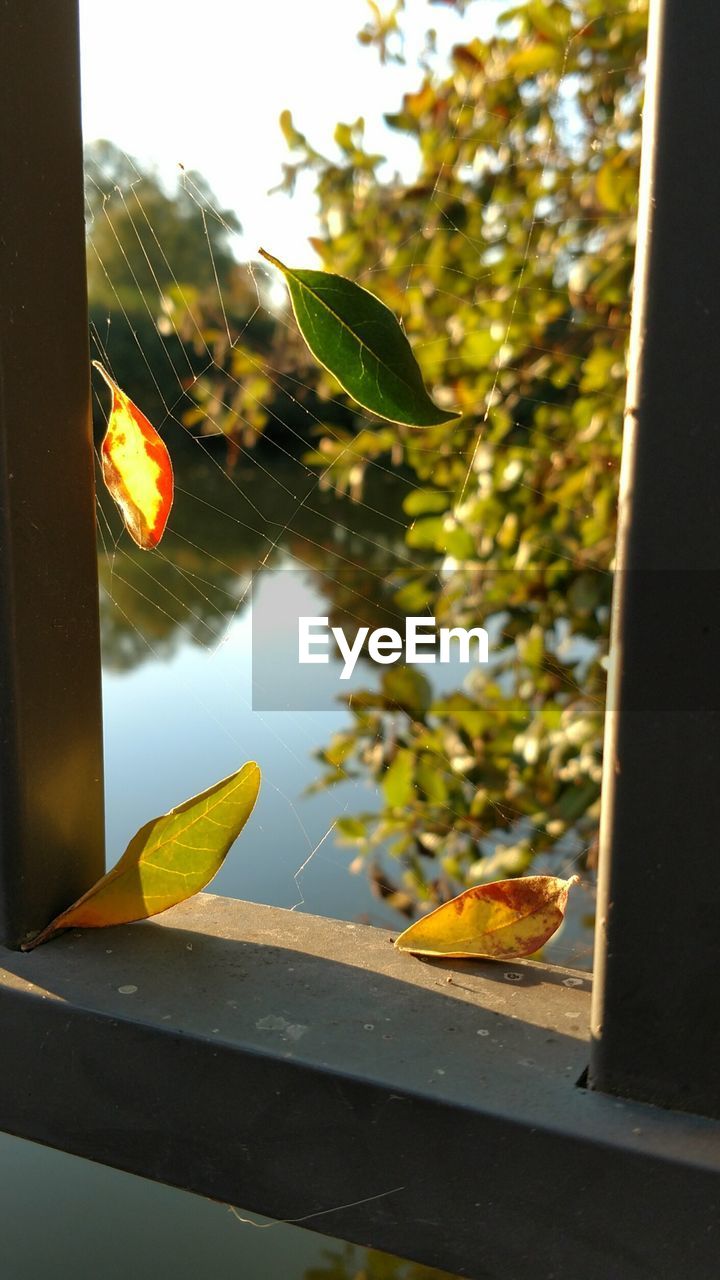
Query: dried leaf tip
<point x="105" y="375"/>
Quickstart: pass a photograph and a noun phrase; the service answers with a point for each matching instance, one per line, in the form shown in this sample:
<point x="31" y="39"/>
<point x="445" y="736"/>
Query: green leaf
<point x="358" y="340"/>
<point x="431" y="776"/>
<point x="428" y="533"/>
<point x="170" y="859"/>
<point x="471" y="717"/>
<point x="410" y="689"/>
<point x="615" y="187"/>
<point x="397" y="784"/>
<point x="551" y="20"/>
<point x="291" y="134"/>
<point x="414" y="596"/>
<point x="351" y="830"/>
<point x="535" y="58"/>
<point x="460" y="544"/>
<point x="421" y="502"/>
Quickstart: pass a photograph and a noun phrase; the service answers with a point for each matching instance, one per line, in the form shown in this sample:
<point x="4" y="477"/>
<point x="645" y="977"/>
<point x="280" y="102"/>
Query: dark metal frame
<point x="51" y="788"/>
<point x="655" y="1037"/>
<point x="301" y="1067"/>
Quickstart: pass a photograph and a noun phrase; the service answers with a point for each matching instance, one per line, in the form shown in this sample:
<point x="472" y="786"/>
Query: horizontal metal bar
<point x="304" y="1069"/>
<point x="657" y="1035"/>
<point x="51" y="777"/>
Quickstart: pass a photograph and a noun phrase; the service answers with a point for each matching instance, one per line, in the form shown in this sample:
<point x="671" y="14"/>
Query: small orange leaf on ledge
<point x="136" y="469"/>
<point x="505" y="920"/>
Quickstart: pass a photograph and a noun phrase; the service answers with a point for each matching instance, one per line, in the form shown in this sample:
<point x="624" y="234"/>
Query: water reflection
<point x="164" y="1231"/>
<point x="222" y="528"/>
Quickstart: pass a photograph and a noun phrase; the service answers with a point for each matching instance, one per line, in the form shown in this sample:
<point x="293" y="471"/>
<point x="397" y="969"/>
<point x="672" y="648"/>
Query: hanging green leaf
<point x="168" y="860"/>
<point x="358" y="340"/>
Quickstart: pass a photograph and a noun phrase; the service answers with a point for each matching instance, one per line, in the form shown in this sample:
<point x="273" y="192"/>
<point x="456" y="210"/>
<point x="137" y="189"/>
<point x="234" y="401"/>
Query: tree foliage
<point x="509" y="258"/>
<point x="153" y="255"/>
<point x="146" y="240"/>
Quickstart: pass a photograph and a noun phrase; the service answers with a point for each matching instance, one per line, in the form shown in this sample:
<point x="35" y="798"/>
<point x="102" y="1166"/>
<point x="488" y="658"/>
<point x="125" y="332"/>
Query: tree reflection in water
<point x="223" y="527"/>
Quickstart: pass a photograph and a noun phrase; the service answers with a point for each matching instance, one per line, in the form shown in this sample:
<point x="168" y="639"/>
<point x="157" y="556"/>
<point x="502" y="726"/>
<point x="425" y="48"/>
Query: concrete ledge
<point x="293" y="1065"/>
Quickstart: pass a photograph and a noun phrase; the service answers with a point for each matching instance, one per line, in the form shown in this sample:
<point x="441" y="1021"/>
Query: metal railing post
<point x="656" y="1016"/>
<point x="51" y="782"/>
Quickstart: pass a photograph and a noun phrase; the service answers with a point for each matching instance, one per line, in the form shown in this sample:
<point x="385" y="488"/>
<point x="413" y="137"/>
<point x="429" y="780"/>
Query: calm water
<point x="178" y="716"/>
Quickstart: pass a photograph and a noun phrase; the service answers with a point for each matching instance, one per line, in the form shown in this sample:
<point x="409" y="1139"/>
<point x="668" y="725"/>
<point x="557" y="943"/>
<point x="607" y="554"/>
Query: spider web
<point x="190" y="700"/>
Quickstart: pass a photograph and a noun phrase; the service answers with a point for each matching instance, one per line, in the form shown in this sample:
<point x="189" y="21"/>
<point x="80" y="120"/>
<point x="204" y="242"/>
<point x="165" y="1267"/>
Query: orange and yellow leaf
<point x="170" y="859"/>
<point x="504" y="920"/>
<point x="136" y="468"/>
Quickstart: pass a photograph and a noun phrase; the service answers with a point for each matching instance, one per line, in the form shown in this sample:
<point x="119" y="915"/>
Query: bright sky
<point x="203" y="82"/>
